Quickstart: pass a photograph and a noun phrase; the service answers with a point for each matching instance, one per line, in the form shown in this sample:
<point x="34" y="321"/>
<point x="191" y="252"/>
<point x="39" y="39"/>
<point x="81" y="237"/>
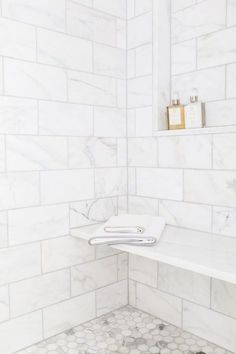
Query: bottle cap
<point x="175" y="99"/>
<point x="194" y="95"/>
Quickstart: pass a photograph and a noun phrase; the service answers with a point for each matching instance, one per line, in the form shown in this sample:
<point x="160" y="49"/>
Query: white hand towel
<point x="152" y="226"/>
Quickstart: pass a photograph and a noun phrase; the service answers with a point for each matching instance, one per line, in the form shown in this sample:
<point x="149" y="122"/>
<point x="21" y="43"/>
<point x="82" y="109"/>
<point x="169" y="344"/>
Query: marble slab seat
<point x="200" y="252"/>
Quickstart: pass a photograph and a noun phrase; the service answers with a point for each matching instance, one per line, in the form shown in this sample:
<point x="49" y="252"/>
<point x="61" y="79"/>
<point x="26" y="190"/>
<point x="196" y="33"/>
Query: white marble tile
<point x="3" y="230"/>
<point x="19" y="190"/>
<point x="93" y="275"/>
<point x="2" y="154"/>
<point x="224" y="221"/>
<point x="224" y="151"/>
<point x="122" y="152"/>
<point x="130" y="9"/>
<point x="131" y="123"/>
<point x="109" y="61"/>
<point x="231" y="13"/>
<point x="91" y="24"/>
<point x="72" y="312"/>
<point x="20" y="262"/>
<point x="208" y="324"/>
<point x="210" y="187"/>
<point x="132" y="293"/>
<point x="34" y="224"/>
<point x="122" y="204"/>
<point x="63" y="50"/>
<point x="4" y="304"/>
<point x="185" y="151"/>
<point x="65" y="252"/>
<point x="142" y="6"/>
<point x="1" y="75"/>
<point x="105" y="251"/>
<point x="162" y="58"/>
<point x="131" y="63"/>
<point x="18" y="116"/>
<point x="142" y="152"/>
<point x="77" y="185"/>
<point x="32" y="294"/>
<point x="183" y="57"/>
<point x="115" y="7"/>
<point x="160" y="183"/>
<point x="223" y="297"/>
<point x="44" y="13"/>
<point x="192" y="216"/>
<point x="33" y="80"/>
<point x="220" y="113"/>
<point x="17" y="40"/>
<point x="140" y="205"/>
<point x="86" y="88"/>
<point x="121" y="40"/>
<point x="111" y="297"/>
<point x="217" y="48"/>
<point x="110" y="182"/>
<point x="185" y="284"/>
<point x="65" y="119"/>
<point x="143" y="60"/>
<point x="123" y="264"/>
<point x="177" y="5"/>
<point x="160" y="304"/>
<point x="92" y="152"/>
<point x="34" y="153"/>
<point x="210" y="84"/>
<point x="88" y="3"/>
<point x="143" y="270"/>
<point x="203" y="18"/>
<point x="132" y="184"/>
<point x="109" y="122"/>
<point x="92" y="211"/>
<point x="121" y="93"/>
<point x="26" y="330"/>
<point x="139" y="30"/>
<point x="140" y="92"/>
<point x="231" y="80"/>
<point x="144" y="121"/>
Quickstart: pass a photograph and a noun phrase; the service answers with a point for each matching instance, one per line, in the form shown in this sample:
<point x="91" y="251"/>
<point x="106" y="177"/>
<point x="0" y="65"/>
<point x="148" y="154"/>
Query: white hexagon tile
<point x="125" y="331"/>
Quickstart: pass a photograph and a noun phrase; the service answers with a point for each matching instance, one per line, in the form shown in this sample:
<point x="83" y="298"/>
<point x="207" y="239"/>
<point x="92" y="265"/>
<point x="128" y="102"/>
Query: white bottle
<point x="194" y="112"/>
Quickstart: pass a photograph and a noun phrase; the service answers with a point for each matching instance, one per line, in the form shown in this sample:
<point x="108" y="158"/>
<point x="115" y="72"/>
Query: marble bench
<point x="200" y="252"/>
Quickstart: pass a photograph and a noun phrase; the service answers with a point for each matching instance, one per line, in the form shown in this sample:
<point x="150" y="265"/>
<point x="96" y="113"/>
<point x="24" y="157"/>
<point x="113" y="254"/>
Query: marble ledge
<point x="197" y="131"/>
<point x="200" y="252"/>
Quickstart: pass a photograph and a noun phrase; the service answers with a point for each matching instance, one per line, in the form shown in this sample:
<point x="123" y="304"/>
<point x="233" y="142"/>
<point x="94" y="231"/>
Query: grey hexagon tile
<point x="125" y="331"/>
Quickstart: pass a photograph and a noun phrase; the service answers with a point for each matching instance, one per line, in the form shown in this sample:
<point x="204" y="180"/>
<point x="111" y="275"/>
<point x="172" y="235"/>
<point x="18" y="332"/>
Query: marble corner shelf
<point x="208" y="254"/>
<point x="197" y="131"/>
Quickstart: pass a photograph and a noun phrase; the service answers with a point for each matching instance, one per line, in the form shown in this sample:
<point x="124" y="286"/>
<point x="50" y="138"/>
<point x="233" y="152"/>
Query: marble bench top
<point x="201" y="252"/>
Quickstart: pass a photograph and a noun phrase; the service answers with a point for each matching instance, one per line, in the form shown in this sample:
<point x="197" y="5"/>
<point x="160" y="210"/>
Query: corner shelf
<point x="197" y="131"/>
<point x="200" y="252"/>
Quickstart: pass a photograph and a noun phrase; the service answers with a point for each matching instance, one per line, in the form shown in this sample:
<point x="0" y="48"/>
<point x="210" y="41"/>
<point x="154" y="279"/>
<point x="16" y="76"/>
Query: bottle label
<point x="174" y="116"/>
<point x="193" y="115"/>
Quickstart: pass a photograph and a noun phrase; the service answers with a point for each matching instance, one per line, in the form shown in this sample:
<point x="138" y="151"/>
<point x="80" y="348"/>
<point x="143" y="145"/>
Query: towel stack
<point x="136" y="230"/>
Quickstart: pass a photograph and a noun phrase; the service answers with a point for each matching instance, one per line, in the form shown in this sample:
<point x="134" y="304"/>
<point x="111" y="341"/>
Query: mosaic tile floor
<point x="125" y="331"/>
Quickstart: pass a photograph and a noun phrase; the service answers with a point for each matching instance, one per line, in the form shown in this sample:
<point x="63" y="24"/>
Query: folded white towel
<point x="130" y="227"/>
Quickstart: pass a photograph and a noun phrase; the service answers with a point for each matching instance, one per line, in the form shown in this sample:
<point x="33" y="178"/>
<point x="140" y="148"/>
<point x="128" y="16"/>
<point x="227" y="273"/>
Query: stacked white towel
<point x="139" y="230"/>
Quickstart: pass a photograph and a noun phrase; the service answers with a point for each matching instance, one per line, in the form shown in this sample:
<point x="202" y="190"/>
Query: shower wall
<point x="187" y="178"/>
<point x="62" y="163"/>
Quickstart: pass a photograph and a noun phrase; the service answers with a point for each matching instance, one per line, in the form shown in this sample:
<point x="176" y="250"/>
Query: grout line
<point x="202" y="36"/>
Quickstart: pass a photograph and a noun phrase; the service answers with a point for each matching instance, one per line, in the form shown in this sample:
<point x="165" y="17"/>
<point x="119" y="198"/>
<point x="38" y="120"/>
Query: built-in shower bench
<point x="200" y="252"/>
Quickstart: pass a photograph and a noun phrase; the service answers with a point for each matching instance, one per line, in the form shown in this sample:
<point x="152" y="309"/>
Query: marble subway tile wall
<point x="194" y="302"/>
<point x="204" y="56"/>
<point x="187" y="179"/>
<point x="63" y="163"/>
<point x="190" y="179"/>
